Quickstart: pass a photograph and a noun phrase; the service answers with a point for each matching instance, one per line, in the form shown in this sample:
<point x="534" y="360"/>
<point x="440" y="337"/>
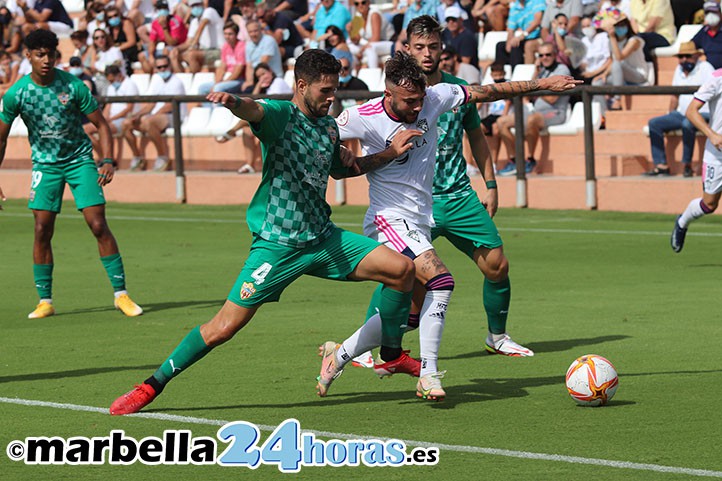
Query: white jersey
<point x="710" y="93"/>
<point x="402" y="188"/>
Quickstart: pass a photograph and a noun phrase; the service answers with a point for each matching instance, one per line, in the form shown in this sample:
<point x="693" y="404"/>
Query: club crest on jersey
<point x="414" y="235"/>
<point x="332" y="134"/>
<point x="63" y="97"/>
<point x="247" y="290"/>
<point x="422" y="125"/>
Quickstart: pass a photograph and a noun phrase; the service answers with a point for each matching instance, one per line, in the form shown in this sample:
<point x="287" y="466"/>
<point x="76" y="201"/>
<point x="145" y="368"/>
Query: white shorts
<point x="711" y="178"/>
<point x="400" y="235"/>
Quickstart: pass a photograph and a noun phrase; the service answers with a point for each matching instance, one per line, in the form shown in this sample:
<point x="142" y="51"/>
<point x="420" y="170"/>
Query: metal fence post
<point x="520" y="158"/>
<point x="180" y="179"/>
<point x="591" y="178"/>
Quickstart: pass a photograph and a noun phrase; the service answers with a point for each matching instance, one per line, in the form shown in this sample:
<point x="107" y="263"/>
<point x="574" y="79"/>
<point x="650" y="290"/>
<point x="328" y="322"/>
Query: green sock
<point x="497" y="296"/>
<point x="375" y="303"/>
<point x="191" y="349"/>
<point x="43" y="274"/>
<point x="394" y="307"/>
<point x="114" y="268"/>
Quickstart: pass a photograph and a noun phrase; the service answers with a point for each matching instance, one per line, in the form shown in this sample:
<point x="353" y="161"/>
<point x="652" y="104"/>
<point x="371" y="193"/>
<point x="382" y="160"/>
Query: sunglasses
<point x="345" y="69"/>
<point x="685" y="55"/>
<point x="162" y="67"/>
<point x="451" y="19"/>
<point x="546" y="55"/>
<point x="99" y="37"/>
<point x="361" y="3"/>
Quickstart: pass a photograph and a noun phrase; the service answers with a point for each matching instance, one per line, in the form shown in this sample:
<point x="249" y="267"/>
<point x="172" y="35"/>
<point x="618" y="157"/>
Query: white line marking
<point x="447" y="447"/>
<point x="242" y="220"/>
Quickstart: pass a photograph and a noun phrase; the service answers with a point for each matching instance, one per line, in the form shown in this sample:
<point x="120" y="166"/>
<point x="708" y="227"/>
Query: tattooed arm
<point x="507" y="90"/>
<point x="401" y="143"/>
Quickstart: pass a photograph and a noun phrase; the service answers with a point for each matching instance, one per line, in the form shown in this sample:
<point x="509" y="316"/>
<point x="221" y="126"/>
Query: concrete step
<point x="630" y="120"/>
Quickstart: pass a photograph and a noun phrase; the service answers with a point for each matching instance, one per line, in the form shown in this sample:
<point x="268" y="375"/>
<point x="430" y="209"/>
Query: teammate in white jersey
<point x="400" y="213"/>
<point x="712" y="160"/>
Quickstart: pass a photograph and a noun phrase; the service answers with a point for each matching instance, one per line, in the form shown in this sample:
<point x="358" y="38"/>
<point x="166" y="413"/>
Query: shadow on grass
<point x="548" y="346"/>
<point x="152" y="307"/>
<point x="42" y="376"/>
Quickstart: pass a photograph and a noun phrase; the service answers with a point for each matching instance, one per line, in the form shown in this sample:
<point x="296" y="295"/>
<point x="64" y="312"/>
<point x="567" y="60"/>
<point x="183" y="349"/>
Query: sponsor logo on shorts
<point x="31" y="197"/>
<point x="247" y="290"/>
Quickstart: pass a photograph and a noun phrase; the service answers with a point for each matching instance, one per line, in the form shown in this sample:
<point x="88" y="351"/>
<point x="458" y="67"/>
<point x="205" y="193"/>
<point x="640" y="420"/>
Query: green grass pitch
<point x="582" y="282"/>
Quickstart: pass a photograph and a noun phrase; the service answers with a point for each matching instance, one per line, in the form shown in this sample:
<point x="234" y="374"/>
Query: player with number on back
<point x="52" y="103"/>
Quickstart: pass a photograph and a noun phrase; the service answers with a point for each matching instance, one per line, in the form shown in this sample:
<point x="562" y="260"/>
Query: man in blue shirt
<point x="524" y="22"/>
<point x="709" y="38"/>
<point x="329" y="13"/>
<point x="458" y="37"/>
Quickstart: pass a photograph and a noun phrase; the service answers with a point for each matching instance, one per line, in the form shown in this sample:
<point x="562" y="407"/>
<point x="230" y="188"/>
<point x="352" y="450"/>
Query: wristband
<point x="106" y="161"/>
<point x="491" y="184"/>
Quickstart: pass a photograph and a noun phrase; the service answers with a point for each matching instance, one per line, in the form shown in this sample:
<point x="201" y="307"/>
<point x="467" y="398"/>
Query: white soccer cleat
<point x="363" y="360"/>
<point x="429" y="387"/>
<point x="507" y="347"/>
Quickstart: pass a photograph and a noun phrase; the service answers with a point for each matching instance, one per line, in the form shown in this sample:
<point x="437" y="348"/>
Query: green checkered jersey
<point x="450" y="179"/>
<point x="299" y="153"/>
<point x="53" y="115"/>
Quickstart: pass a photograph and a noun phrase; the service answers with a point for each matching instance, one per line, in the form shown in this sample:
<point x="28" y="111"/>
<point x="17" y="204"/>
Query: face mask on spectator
<point x="687" y="67"/>
<point x="499" y="80"/>
<point x="345" y="78"/>
<point x="116" y="85"/>
<point x="77" y="71"/>
<point x="114" y="22"/>
<point x="561" y="31"/>
<point x="163" y="12"/>
<point x="197" y="11"/>
<point x="100" y="16"/>
<point x="712" y="19"/>
<point x="621" y="31"/>
<point x="165" y="75"/>
<point x="589" y="32"/>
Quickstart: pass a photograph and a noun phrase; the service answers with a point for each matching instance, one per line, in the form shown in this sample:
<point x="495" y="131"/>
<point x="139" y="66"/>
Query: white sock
<point x="48" y="300"/>
<point x="431" y="327"/>
<point x="364" y="339"/>
<point x="119" y="293"/>
<point x="692" y="212"/>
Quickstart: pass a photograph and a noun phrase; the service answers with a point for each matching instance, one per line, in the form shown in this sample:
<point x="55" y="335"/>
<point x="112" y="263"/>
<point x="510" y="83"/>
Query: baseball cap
<point x="711" y="7"/>
<point x="453" y="12"/>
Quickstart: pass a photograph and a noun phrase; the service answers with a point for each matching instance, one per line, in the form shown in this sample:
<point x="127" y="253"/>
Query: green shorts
<point x="271" y="267"/>
<point x="48" y="183"/>
<point x="466" y="223"/>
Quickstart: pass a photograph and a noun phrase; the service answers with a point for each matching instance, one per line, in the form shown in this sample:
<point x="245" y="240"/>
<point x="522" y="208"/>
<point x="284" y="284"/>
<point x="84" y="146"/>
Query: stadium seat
<point x="523" y="72"/>
<point x="198" y="122"/>
<point x="488" y="48"/>
<point x="289" y="78"/>
<point x="221" y="120"/>
<point x="479" y="44"/>
<point x="372" y="78"/>
<point x="199" y="79"/>
<point x="18" y="128"/>
<point x="187" y="79"/>
<point x="575" y="121"/>
<point x="74" y="6"/>
<point x="487" y="75"/>
<point x="142" y="81"/>
<point x="685" y="34"/>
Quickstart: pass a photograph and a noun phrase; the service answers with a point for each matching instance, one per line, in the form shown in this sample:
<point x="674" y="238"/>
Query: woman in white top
<point x="373" y="40"/>
<point x="628" y="63"/>
<point x="104" y="54"/>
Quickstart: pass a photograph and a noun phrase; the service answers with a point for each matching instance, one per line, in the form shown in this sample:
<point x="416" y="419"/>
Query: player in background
<point x="52" y="103"/>
<point x="292" y="230"/>
<point x="400" y="194"/>
<point x="711" y="162"/>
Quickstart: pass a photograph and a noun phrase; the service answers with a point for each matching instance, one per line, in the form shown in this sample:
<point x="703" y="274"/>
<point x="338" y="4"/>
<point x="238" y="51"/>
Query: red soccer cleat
<point x="134" y="400"/>
<point x="404" y="364"/>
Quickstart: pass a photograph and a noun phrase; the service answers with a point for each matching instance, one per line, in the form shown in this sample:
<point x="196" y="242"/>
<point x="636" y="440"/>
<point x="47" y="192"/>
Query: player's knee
<point x="43" y="231"/>
<point x="98" y="227"/>
<point x="712" y="204"/>
<point x="404" y="272"/>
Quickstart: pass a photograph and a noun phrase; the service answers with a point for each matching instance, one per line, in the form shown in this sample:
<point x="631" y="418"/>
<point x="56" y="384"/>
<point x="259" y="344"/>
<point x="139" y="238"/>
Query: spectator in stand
<point x="685" y="10"/>
<point x="456" y="35"/>
<point x="10" y="33"/>
<point x="523" y="32"/>
<point x="709" y="38"/>
<point x="346" y="79"/>
<point x="8" y="71"/>
<point x="242" y="14"/>
<point x="416" y="8"/>
<point x="47" y="15"/>
<point x="261" y="48"/>
<point x="203" y="43"/>
<point x="465" y="19"/>
<point x="335" y="41"/>
<point x="103" y="54"/>
<point x="690" y="71"/>
<point x="450" y="62"/>
<point x="151" y="120"/>
<point x="492" y="13"/>
<point x="590" y="7"/>
<point x="75" y="67"/>
<point x="621" y="5"/>
<point x="138" y="11"/>
<point x="114" y="112"/>
<point x="79" y="38"/>
<point x="654" y="23"/>
<point x="122" y="33"/>
<point x="557" y="36"/>
<point x="291" y="9"/>
<point x="93" y="19"/>
<point x="166" y="28"/>
<point x="598" y="59"/>
<point x="571" y="9"/>
<point x="282" y="28"/>
<point x="330" y="12"/>
<point x="374" y="38"/>
<point x="628" y="63"/>
<point x="548" y="110"/>
<point x="230" y="73"/>
<point x="490" y="112"/>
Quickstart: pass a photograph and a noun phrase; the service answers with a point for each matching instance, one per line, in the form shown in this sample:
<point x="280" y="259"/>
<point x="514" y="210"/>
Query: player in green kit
<point x="292" y="231"/>
<point x="52" y="102"/>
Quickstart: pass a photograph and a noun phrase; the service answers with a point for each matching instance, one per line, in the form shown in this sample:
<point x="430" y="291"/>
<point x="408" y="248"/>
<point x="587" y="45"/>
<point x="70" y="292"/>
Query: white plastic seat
<point x="199" y="79"/>
<point x="197" y="123"/>
<point x="685" y="34"/>
<point x="575" y="121"/>
<point x="142" y="81"/>
<point x="290" y="78"/>
<point x="187" y="79"/>
<point x="221" y="120"/>
<point x="488" y="48"/>
<point x="523" y="72"/>
<point x="372" y="78"/>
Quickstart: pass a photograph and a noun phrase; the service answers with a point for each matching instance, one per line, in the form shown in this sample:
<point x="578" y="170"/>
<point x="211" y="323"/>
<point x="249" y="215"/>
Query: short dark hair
<point x="335" y="30"/>
<point x="312" y="64"/>
<point x="264" y="66"/>
<point x="560" y="15"/>
<point x="81" y="35"/>
<point x="497" y="67"/>
<point x="112" y="70"/>
<point x="404" y="71"/>
<point x="449" y="50"/>
<point x="162" y="57"/>
<point x="233" y="26"/>
<point x="423" y="26"/>
<point x="40" y="38"/>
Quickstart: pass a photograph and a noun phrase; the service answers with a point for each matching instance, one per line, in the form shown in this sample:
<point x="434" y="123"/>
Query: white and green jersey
<point x="53" y="115"/>
<point x="450" y="179"/>
<point x="299" y="153"/>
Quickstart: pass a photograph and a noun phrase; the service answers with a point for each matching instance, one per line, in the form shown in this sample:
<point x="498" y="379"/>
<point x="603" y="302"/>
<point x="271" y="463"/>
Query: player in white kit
<point x="710" y="93"/>
<point x="400" y="212"/>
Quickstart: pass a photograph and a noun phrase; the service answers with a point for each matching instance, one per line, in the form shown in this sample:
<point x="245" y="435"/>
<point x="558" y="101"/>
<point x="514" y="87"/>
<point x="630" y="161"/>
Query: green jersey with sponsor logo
<point x="299" y="153"/>
<point x="53" y="115"/>
<point x="450" y="179"/>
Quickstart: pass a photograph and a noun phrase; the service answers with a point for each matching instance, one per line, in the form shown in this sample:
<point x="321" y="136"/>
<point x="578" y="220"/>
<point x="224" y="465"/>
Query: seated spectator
<point x="466" y="19"/>
<point x="114" y="112"/>
<point x="628" y="63"/>
<point x="598" y="58"/>
<point x="46" y="14"/>
<point x="166" y="28"/>
<point x="330" y="12"/>
<point x="122" y="33"/>
<point x="335" y="41"/>
<point x="685" y="10"/>
<point x="230" y="73"/>
<point x="654" y="23"/>
<point x="103" y="54"/>
<point x="456" y="35"/>
<point x="10" y="32"/>
<point x="138" y="11"/>
<point x="282" y="28"/>
<point x="571" y="9"/>
<point x="76" y="67"/>
<point x="79" y="38"/>
<point x="373" y="40"/>
<point x="416" y="8"/>
<point x="261" y="48"/>
<point x="93" y="19"/>
<point x="621" y="5"/>
<point x="690" y="71"/>
<point x="490" y="112"/>
<point x="241" y="14"/>
<point x="557" y="36"/>
<point x="523" y="29"/>
<point x="203" y="43"/>
<point x="493" y="14"/>
<point x="548" y="110"/>
<point x="450" y="62"/>
<point x="346" y="79"/>
<point x="151" y="120"/>
<point x="709" y="38"/>
<point x="8" y="71"/>
<point x="291" y="9"/>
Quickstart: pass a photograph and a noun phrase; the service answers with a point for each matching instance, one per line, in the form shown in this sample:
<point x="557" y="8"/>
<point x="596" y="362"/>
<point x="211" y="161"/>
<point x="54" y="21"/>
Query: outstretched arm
<point x="243" y="108"/>
<point x="507" y="90"/>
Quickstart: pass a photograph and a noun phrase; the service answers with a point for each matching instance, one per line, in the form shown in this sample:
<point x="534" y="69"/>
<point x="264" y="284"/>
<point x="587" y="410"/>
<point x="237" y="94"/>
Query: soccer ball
<point x="592" y="380"/>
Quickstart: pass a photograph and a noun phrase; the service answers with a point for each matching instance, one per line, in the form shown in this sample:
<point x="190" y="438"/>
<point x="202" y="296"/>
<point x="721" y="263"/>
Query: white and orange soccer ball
<point x="592" y="380"/>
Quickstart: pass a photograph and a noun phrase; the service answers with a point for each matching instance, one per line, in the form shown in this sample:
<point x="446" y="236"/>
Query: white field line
<point x="444" y="447"/>
<point x="242" y="220"/>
